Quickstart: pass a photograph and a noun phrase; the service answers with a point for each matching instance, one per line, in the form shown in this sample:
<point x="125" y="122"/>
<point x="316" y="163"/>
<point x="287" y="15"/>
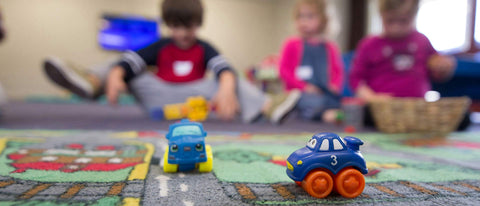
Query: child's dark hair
<point x="182" y="12"/>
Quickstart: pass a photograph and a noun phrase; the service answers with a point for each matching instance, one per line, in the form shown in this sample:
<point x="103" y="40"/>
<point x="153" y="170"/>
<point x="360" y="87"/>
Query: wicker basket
<point x="415" y="115"/>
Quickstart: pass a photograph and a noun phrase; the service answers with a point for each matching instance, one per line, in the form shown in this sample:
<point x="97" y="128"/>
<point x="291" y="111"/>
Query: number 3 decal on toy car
<point x="334" y="160"/>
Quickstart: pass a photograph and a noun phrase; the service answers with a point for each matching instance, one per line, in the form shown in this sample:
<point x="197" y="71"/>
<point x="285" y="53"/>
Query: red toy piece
<point x="350" y="129"/>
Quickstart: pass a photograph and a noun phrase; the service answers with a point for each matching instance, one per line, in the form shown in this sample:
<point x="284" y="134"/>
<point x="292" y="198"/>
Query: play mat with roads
<point x="46" y="167"/>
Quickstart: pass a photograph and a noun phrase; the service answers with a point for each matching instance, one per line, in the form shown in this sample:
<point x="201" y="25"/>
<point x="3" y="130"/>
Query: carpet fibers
<point x="75" y="167"/>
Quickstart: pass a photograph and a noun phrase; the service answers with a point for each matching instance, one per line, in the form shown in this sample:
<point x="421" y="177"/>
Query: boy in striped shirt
<point x="182" y="61"/>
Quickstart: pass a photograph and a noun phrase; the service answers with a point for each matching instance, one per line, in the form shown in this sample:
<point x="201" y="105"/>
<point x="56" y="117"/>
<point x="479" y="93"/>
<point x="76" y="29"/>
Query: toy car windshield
<point x="187" y="130"/>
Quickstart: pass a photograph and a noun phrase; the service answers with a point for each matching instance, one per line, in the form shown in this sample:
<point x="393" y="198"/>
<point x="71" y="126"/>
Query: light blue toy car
<point x="186" y="149"/>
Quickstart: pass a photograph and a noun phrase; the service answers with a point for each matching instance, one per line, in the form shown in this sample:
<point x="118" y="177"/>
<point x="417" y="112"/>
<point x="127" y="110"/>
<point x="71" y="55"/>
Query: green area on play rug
<point x="261" y="163"/>
<point x="394" y="169"/>
<point x="37" y="133"/>
<point x="457" y="147"/>
<point x="250" y="163"/>
<point x="106" y="201"/>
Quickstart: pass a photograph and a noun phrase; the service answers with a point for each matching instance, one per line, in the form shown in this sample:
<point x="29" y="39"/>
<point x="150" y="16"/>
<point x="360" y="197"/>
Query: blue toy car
<point x="186" y="149"/>
<point x="328" y="162"/>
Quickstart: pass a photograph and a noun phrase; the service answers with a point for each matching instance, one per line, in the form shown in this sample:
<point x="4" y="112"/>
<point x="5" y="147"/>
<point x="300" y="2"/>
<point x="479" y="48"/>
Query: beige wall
<point x="66" y="28"/>
<point x="243" y="30"/>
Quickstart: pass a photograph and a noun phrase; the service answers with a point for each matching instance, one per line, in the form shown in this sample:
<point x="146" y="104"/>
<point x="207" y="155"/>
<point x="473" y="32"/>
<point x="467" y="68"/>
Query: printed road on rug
<point x="42" y="167"/>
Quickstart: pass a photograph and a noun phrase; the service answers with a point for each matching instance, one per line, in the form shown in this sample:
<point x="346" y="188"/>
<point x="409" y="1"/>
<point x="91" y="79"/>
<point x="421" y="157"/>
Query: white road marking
<point x="100" y="153"/>
<point x="162" y="144"/>
<point x="183" y="187"/>
<point x="72" y="167"/>
<point x="49" y="158"/>
<point x="163" y="185"/>
<point x="115" y="160"/>
<point x="83" y="160"/>
<point x="62" y="152"/>
<point x="23" y="151"/>
<point x="188" y="203"/>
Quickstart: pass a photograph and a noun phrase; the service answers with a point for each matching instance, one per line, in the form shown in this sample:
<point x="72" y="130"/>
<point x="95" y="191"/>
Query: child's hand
<point x="312" y="89"/>
<point x="441" y="67"/>
<point x="115" y="85"/>
<point x="335" y="90"/>
<point x="380" y="97"/>
<point x="225" y="101"/>
<point x="367" y="94"/>
<point x="226" y="104"/>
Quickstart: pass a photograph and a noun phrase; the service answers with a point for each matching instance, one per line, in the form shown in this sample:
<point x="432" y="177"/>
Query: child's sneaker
<point x="70" y="77"/>
<point x="283" y="105"/>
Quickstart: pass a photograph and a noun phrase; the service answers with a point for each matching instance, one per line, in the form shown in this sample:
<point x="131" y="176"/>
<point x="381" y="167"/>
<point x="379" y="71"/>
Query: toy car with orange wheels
<point x="329" y="162"/>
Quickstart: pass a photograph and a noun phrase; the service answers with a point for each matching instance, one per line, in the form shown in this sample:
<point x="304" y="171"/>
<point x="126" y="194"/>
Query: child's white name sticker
<point x="403" y="62"/>
<point x="304" y="72"/>
<point x="182" y="68"/>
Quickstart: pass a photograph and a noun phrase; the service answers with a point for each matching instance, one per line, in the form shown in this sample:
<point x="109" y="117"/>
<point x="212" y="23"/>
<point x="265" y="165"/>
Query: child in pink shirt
<point x="312" y="64"/>
<point x="400" y="62"/>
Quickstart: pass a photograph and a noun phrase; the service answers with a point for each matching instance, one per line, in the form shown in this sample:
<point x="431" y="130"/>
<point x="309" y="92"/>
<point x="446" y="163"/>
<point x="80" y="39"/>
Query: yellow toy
<point x="194" y="109"/>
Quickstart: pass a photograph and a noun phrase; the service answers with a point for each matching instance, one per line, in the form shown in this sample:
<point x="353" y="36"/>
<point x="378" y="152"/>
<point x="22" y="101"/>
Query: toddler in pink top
<point x="312" y="64"/>
<point x="400" y="62"/>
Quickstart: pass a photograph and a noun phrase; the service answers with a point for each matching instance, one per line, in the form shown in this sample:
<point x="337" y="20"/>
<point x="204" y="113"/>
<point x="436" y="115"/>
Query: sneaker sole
<point x="66" y="79"/>
<point x="284" y="109"/>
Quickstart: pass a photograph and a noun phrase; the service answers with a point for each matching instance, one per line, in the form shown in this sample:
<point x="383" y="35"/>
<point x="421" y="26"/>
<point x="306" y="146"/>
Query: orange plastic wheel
<point x="318" y="184"/>
<point x="349" y="183"/>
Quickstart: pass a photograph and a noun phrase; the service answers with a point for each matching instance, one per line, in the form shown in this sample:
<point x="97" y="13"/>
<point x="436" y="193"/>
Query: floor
<point x="184" y="187"/>
<point x="21" y="115"/>
<point x="93" y="116"/>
